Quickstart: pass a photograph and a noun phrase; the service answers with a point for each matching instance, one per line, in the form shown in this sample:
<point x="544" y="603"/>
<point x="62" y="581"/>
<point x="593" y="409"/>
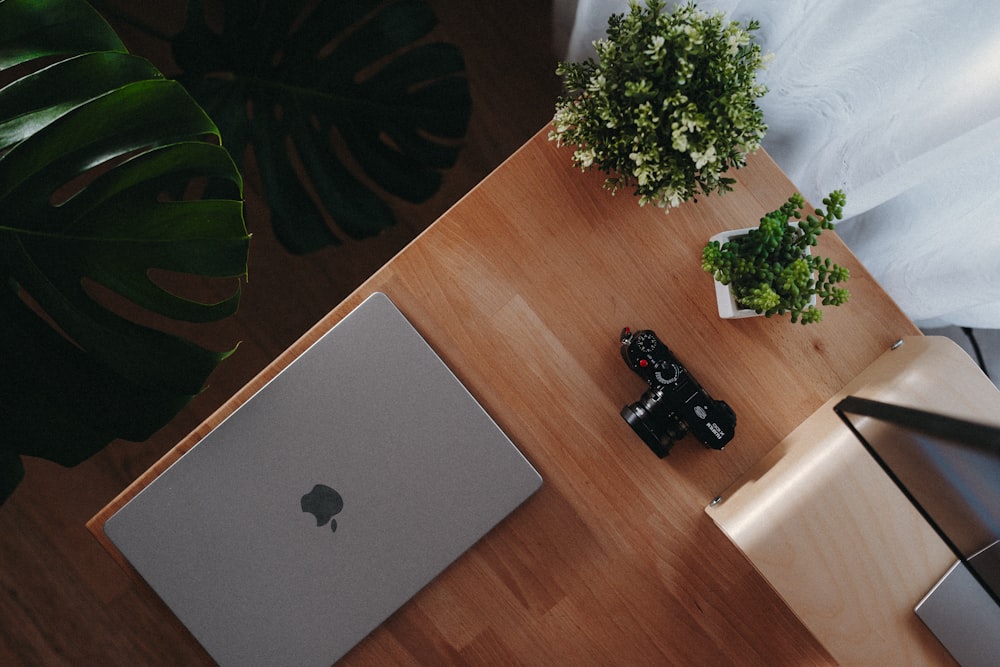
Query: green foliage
<point x="669" y="107"/>
<point x="337" y="100"/>
<point x="771" y="269"/>
<point x="101" y="161"/>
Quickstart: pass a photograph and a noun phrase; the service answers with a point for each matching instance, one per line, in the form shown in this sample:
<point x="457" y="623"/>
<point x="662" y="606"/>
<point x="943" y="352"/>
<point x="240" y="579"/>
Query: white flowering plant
<point x="668" y="107"/>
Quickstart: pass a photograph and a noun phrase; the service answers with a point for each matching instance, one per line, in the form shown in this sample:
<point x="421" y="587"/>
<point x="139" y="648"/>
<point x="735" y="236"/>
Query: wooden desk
<point x="523" y="287"/>
<point x="845" y="549"/>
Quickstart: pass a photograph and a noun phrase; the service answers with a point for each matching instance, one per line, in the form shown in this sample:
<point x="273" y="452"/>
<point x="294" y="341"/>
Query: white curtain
<point x="897" y="102"/>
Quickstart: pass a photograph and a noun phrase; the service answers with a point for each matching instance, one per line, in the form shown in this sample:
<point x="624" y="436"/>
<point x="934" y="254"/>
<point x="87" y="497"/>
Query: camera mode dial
<point x="646" y="341"/>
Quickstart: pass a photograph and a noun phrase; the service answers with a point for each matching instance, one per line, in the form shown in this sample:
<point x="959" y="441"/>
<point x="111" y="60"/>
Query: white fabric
<point x="897" y="102"/>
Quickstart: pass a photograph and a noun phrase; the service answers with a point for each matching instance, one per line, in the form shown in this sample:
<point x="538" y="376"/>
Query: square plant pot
<point x="726" y="302"/>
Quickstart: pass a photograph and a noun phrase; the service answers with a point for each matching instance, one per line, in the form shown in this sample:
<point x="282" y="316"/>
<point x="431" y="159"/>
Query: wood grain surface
<point x="523" y="287"/>
<point x="847" y="551"/>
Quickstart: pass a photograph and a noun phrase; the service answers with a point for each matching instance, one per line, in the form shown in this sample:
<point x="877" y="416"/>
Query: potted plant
<point x="669" y="106"/>
<point x="770" y="269"/>
<point x="113" y="189"/>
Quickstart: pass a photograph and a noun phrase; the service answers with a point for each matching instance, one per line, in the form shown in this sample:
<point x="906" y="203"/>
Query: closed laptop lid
<point x="327" y="500"/>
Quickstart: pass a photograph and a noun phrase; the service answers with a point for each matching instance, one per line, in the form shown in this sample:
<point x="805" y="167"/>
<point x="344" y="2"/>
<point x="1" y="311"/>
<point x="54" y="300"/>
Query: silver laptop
<point x="326" y="501"/>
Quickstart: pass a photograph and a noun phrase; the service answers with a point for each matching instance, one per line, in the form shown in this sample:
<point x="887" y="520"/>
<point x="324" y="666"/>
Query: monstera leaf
<point x="317" y="86"/>
<point x="97" y="151"/>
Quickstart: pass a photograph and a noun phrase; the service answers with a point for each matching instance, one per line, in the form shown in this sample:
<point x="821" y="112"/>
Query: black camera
<point x="674" y="403"/>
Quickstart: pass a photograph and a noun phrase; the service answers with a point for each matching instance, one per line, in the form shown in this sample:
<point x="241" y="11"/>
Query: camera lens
<point x="651" y="421"/>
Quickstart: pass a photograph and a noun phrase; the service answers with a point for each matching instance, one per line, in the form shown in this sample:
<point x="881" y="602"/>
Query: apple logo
<point x="323" y="502"/>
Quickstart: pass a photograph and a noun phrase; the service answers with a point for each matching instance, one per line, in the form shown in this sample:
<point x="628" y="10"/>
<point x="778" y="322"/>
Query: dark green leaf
<point x="100" y="162"/>
<point x="31" y="29"/>
<point x="330" y="89"/>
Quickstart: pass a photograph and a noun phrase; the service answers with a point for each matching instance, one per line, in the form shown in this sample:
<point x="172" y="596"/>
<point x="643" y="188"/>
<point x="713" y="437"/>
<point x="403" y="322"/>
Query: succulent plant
<point x="771" y="269"/>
